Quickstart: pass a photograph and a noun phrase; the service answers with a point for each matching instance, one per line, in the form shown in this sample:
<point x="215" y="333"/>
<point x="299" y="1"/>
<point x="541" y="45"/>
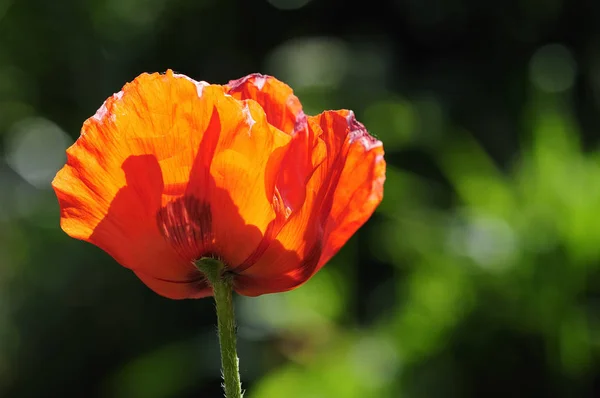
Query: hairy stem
<point x="222" y="288"/>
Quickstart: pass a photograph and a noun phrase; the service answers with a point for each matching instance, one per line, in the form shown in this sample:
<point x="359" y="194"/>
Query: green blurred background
<point x="479" y="275"/>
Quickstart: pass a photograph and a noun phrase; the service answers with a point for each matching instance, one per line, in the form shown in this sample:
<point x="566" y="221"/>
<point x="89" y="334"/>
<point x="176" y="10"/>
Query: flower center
<point x="186" y="223"/>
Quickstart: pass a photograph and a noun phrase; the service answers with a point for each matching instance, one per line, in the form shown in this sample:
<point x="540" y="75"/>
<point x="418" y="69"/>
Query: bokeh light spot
<point x="36" y="150"/>
<point x="552" y="68"/>
<point x="311" y="62"/>
<point x="489" y="241"/>
<point x="375" y="361"/>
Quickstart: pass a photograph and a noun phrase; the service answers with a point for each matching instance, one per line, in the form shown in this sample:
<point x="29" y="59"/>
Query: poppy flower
<point x="170" y="170"/>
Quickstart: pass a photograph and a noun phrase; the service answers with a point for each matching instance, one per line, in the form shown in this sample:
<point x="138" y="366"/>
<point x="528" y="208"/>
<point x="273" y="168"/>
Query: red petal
<point x="342" y="193"/>
<point x="360" y="187"/>
<point x="282" y="107"/>
<point x="195" y="288"/>
<point x="283" y="111"/>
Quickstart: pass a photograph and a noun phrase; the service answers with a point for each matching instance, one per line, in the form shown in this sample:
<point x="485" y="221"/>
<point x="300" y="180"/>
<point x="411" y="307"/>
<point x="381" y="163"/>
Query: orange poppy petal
<point x="111" y="187"/>
<point x="282" y="107"/>
<point x="284" y="112"/>
<point x="342" y="193"/>
<point x="360" y="187"/>
<point x="245" y="171"/>
<point x="167" y="146"/>
<point x="176" y="290"/>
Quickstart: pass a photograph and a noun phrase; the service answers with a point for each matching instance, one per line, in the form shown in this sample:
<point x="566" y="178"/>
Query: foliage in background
<point x="478" y="276"/>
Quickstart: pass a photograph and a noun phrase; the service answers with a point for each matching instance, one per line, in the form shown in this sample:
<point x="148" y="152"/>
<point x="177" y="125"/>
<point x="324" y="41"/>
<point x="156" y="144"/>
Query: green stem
<point x="222" y="288"/>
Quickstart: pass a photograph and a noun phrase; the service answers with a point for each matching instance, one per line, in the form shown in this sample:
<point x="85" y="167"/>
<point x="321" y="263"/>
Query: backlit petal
<point x="360" y="187"/>
<point x="112" y="185"/>
<point x="153" y="161"/>
<point x="244" y="168"/>
<point x="283" y="111"/>
<point x="282" y="107"/>
<point x="342" y="193"/>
